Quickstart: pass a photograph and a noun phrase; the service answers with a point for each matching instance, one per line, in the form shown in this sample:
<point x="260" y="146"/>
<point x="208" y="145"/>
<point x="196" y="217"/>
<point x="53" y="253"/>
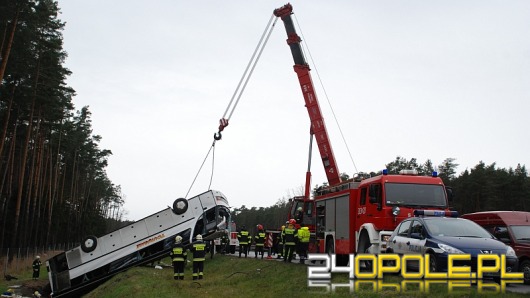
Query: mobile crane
<point x="354" y="216"/>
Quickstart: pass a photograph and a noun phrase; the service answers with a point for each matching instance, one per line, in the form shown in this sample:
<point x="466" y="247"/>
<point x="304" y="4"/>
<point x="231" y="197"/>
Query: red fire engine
<point x="357" y="215"/>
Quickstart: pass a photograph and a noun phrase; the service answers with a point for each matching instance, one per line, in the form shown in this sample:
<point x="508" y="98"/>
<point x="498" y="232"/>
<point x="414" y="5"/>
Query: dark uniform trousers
<point x="199" y="253"/>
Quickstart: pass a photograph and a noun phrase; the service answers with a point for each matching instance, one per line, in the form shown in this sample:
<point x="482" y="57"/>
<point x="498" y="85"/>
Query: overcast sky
<point x="417" y="79"/>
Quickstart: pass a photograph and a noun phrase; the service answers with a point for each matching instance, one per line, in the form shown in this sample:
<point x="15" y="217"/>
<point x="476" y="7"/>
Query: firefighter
<point x="303" y="243"/>
<point x="260" y="241"/>
<point x="243" y="238"/>
<point x="224" y="243"/>
<point x="299" y="215"/>
<point x="198" y="248"/>
<point x="280" y="242"/>
<point x="289" y="241"/>
<point x="178" y="255"/>
<point x="36" y="267"/>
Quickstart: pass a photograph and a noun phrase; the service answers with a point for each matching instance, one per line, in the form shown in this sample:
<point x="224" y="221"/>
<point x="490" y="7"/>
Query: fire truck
<point x="358" y="215"/>
<point x="77" y="271"/>
<point x="233" y="243"/>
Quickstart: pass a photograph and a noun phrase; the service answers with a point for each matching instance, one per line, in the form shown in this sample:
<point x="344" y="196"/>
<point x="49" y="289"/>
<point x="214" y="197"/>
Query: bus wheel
<point x="180" y="206"/>
<point x="89" y="244"/>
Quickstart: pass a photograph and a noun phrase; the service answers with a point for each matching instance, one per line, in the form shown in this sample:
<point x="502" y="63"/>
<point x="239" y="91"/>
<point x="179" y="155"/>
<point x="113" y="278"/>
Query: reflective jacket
<point x="260" y="239"/>
<point x="198" y="248"/>
<point x="304" y="235"/>
<point x="289" y="236"/>
<point x="36" y="264"/>
<point x="242" y="236"/>
<point x="178" y="253"/>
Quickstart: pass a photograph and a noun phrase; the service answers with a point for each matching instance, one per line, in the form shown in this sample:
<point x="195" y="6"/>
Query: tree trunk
<point x="8" y="176"/>
<point x="23" y="163"/>
<point x="5" y="54"/>
<point x="6" y="120"/>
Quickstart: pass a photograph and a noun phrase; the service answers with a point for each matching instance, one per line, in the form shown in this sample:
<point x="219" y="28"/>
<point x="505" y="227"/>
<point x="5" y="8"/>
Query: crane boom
<point x="318" y="127"/>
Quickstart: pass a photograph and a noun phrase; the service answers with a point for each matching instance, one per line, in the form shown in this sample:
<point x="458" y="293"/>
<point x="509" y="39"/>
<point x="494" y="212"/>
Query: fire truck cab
<point x="360" y="216"/>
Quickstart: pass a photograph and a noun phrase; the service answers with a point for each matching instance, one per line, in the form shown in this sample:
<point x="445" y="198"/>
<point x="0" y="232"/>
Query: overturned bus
<point x="81" y="269"/>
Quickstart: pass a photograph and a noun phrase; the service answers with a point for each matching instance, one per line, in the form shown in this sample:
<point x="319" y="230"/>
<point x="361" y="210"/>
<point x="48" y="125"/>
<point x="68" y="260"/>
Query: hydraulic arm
<point x="318" y="127"/>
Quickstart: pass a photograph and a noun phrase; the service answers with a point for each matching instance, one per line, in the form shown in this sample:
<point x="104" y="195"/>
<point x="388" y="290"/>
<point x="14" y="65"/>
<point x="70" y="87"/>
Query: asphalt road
<point x="522" y="289"/>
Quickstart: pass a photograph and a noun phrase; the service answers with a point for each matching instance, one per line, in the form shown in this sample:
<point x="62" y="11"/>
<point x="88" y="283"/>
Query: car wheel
<point x="433" y="264"/>
<point x="180" y="206"/>
<point x="89" y="244"/>
<point x="525" y="268"/>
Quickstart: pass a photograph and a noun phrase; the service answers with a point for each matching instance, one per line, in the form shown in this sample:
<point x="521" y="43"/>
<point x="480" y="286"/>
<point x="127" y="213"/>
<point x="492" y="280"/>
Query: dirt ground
<point x="28" y="287"/>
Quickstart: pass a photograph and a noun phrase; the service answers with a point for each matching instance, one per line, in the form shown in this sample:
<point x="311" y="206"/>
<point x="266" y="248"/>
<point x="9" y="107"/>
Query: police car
<point x="431" y="232"/>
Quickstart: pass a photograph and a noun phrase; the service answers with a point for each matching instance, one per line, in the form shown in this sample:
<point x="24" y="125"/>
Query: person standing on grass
<point x="260" y="242"/>
<point x="303" y="243"/>
<point x="289" y="235"/>
<point x="198" y="248"/>
<point x="178" y="256"/>
<point x="243" y="238"/>
<point x="36" y="267"/>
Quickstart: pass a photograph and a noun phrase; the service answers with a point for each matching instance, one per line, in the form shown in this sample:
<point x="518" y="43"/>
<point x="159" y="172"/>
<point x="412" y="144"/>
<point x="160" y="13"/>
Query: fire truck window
<point x="363" y="196"/>
<point x="375" y="193"/>
<point x="297" y="204"/>
<point x="321" y="219"/>
<point x="404" y="229"/>
<point x="309" y="208"/>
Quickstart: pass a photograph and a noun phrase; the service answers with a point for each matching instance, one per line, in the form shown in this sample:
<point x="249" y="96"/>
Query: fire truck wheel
<point x="89" y="244"/>
<point x="364" y="245"/>
<point x="330" y="247"/>
<point x="180" y="206"/>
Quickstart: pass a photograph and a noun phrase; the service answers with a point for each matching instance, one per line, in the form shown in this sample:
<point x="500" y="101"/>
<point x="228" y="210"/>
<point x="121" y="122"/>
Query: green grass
<point x="228" y="276"/>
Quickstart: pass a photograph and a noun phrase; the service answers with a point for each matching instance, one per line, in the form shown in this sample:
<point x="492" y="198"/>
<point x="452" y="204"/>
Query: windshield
<point x="455" y="227"/>
<point x="415" y="194"/>
<point x="521" y="233"/>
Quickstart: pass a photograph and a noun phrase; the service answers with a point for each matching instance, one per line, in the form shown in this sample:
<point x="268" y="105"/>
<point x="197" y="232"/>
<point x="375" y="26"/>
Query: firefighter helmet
<point x="260" y="227"/>
<point x="299" y="209"/>
<point x="292" y="221"/>
<point x="178" y="239"/>
<point x="198" y="237"/>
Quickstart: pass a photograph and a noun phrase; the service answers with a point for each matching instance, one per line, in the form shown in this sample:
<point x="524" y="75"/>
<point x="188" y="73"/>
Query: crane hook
<point x="217" y="136"/>
<point x="222" y="124"/>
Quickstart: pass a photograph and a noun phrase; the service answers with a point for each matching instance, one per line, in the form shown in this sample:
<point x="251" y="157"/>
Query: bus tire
<point x="89" y="244"/>
<point x="180" y="206"/>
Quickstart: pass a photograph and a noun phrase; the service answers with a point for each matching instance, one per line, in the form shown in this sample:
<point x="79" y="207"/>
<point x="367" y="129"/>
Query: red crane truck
<point x="356" y="215"/>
